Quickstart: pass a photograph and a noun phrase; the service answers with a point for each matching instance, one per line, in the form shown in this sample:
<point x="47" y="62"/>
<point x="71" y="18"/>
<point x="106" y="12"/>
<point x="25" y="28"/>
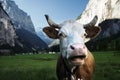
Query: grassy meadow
<point x="42" y="66"/>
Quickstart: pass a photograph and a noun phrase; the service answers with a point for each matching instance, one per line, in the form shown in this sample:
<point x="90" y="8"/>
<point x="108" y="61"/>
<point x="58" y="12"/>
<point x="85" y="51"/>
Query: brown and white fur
<point x="84" y="72"/>
<point x="76" y="61"/>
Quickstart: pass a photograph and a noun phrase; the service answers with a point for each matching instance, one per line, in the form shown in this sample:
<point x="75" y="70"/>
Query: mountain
<point x="26" y="38"/>
<point x="29" y="42"/>
<point x="109" y="21"/>
<point x="18" y="16"/>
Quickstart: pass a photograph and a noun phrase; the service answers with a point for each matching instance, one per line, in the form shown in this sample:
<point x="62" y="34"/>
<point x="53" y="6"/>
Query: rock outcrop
<point x="104" y="9"/>
<point x="7" y="33"/>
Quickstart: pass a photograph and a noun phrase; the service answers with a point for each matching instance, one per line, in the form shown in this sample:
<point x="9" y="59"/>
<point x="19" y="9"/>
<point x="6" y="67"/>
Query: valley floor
<point x="42" y="66"/>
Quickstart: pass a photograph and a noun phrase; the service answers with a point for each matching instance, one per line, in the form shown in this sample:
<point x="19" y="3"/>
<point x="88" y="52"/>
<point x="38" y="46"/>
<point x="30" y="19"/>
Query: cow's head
<point x="73" y="37"/>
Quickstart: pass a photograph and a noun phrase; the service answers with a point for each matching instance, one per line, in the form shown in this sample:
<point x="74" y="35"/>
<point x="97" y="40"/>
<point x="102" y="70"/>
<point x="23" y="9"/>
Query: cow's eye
<point x="85" y="34"/>
<point x="62" y="34"/>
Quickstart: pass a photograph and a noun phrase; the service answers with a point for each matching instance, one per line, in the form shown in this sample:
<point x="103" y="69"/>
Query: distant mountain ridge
<point x="44" y="37"/>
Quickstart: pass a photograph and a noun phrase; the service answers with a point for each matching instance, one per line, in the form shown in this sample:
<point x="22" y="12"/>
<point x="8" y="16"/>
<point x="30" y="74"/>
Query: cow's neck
<point x="69" y="70"/>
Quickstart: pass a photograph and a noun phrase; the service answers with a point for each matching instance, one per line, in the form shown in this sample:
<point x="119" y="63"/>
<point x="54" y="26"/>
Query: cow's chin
<point x="76" y="60"/>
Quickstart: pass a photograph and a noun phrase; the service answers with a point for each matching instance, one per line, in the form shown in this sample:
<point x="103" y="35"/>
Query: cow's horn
<point x="50" y="22"/>
<point x="92" y="23"/>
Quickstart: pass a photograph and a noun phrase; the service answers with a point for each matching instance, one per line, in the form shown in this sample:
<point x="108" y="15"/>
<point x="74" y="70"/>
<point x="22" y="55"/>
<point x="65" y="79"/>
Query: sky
<point x="58" y="10"/>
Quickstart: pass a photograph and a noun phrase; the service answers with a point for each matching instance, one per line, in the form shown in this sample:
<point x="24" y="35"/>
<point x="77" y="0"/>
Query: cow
<point x="75" y="62"/>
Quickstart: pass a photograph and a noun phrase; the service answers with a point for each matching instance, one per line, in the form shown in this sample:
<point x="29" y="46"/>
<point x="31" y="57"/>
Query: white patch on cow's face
<point x="73" y="33"/>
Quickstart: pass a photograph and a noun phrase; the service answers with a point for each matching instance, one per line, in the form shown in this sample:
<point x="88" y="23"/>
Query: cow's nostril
<point x="72" y="47"/>
<point x="83" y="47"/>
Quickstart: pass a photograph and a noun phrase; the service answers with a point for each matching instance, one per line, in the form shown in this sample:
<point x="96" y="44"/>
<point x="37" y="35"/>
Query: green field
<point x="42" y="66"/>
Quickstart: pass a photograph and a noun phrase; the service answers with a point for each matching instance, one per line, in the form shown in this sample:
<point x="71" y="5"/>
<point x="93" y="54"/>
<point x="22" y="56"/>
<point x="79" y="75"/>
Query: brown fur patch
<point x="92" y="31"/>
<point x="51" y="32"/>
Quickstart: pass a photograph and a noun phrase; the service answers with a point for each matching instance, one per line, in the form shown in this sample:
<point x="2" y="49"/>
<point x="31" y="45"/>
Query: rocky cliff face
<point x="104" y="9"/>
<point x="109" y="21"/>
<point x="19" y="17"/>
<point x="7" y="32"/>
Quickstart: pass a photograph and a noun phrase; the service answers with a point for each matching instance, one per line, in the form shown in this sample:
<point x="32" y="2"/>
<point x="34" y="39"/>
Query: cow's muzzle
<point x="77" y="54"/>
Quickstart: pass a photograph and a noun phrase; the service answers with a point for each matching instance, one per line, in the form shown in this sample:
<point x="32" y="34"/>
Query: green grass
<point x="43" y="66"/>
<point x="107" y="66"/>
<point x="28" y="67"/>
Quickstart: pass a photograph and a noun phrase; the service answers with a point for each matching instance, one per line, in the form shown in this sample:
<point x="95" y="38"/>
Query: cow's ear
<point x="92" y="32"/>
<point x="51" y="32"/>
